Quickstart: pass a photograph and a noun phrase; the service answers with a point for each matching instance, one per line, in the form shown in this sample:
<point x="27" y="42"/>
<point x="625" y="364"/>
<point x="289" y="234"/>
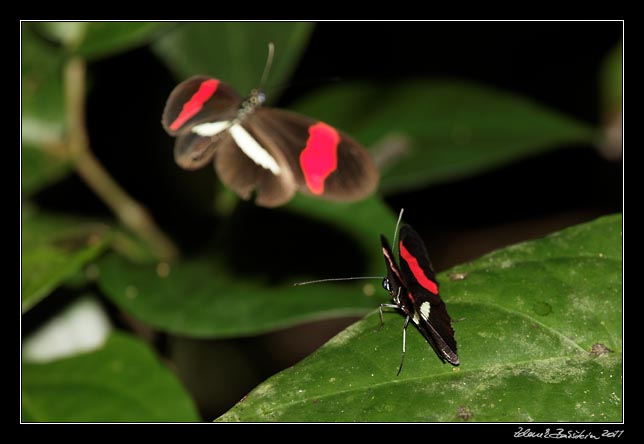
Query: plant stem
<point x="129" y="211"/>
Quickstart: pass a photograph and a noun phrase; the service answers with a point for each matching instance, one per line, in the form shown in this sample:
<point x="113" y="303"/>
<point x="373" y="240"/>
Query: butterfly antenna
<point x="267" y="67"/>
<point x="402" y="210"/>
<point x="338" y="279"/>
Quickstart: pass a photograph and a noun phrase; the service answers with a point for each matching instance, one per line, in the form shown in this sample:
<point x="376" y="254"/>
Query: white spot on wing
<point x="210" y="129"/>
<point x="252" y="149"/>
<point x="424" y="310"/>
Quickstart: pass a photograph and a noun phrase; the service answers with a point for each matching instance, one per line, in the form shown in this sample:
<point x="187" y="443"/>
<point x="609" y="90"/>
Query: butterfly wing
<point x="250" y="162"/>
<point x="431" y="315"/>
<point x="197" y="112"/>
<point x="197" y="100"/>
<point x="324" y="161"/>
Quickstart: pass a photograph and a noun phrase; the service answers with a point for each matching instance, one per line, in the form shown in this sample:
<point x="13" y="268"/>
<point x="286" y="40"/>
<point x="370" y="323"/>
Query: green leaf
<point x="102" y="39"/>
<point x="233" y="51"/>
<point x="452" y="128"/>
<point x="529" y="317"/>
<point x="121" y="382"/>
<point x="54" y="249"/>
<point x="201" y="298"/>
<point x="93" y="40"/>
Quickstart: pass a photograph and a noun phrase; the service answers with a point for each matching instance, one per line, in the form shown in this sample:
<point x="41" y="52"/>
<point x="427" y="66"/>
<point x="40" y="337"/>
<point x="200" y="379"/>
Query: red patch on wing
<point x="418" y="272"/>
<point x="320" y="156"/>
<point x="194" y="105"/>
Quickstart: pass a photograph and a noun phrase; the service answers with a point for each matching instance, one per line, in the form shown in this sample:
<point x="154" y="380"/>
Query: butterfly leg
<point x="404" y="343"/>
<point x="382" y="319"/>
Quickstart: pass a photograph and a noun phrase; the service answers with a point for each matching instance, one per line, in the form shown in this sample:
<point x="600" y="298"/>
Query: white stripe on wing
<point x="252" y="149"/>
<point x="210" y="129"/>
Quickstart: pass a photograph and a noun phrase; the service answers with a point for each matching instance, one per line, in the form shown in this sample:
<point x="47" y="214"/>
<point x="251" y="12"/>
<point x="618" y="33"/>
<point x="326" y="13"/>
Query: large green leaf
<point x="539" y="339"/>
<point x="233" y="51"/>
<point x="202" y="298"/>
<point x="451" y="128"/>
<point x="54" y="249"/>
<point x="121" y="382"/>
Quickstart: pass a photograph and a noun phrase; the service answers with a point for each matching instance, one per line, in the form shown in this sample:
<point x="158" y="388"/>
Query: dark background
<point x="556" y="64"/>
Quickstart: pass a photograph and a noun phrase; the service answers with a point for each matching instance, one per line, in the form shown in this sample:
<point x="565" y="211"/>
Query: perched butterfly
<point x="264" y="150"/>
<point x="414" y="291"/>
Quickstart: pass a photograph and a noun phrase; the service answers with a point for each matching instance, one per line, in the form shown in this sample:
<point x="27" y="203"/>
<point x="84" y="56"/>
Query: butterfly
<point x="267" y="151"/>
<point x="414" y="291"/>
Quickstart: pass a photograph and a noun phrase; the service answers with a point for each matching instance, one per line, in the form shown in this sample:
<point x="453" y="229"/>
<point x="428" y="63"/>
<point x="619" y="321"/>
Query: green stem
<point x="132" y="214"/>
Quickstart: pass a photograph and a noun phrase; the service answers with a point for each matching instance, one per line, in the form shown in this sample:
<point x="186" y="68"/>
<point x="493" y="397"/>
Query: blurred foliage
<point x="197" y="297"/>
<point x="421" y="132"/>
<point x="452" y="128"/>
<point x="611" y="90"/>
<point x="611" y="79"/>
<point x="41" y="169"/>
<point x="531" y="315"/>
<point x="43" y="115"/>
<point x="233" y="51"/>
<point x="43" y="109"/>
<point x="54" y="249"/>
<point x="93" y="40"/>
<point x="80" y="326"/>
<point x="121" y="382"/>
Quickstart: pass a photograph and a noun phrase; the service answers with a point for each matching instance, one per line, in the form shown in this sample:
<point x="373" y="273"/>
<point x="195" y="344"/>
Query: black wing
<point x="431" y="315"/>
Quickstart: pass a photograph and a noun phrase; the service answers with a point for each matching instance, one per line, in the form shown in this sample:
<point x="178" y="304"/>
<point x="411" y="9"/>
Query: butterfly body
<point x="267" y="151"/>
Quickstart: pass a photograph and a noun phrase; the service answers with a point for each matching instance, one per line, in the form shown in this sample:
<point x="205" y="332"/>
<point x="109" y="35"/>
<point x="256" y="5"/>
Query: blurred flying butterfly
<point x="264" y="150"/>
